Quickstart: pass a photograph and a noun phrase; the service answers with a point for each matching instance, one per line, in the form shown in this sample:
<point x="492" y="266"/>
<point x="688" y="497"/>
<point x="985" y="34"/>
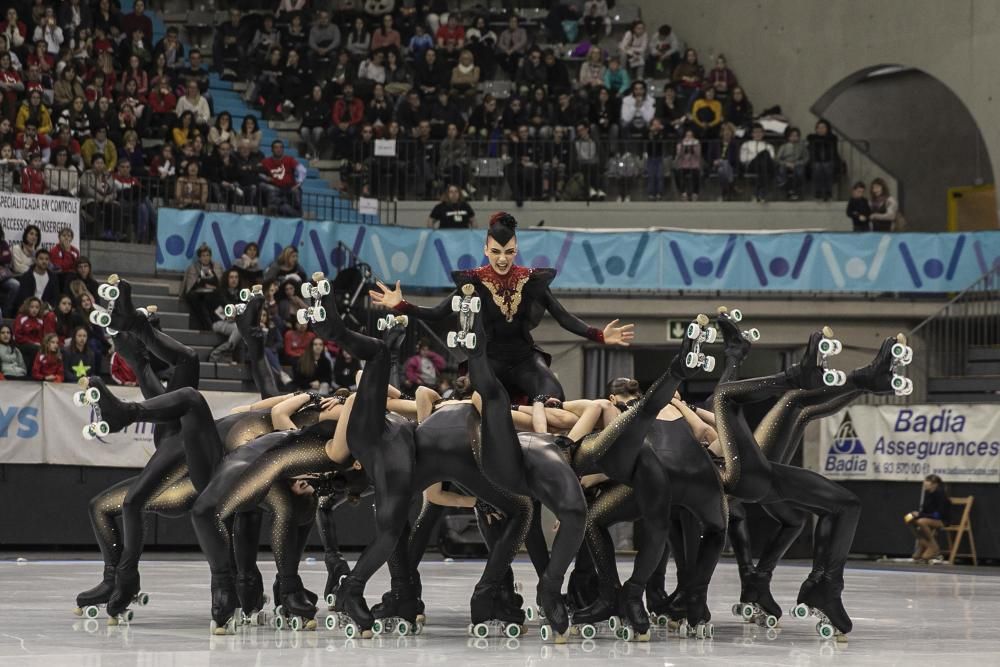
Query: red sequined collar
<point x="506" y="289"/>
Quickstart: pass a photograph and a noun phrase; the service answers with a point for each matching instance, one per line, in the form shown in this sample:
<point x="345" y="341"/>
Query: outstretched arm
<point x="393" y="298"/>
<point x="610" y="335"/>
<point x="437" y="495"/>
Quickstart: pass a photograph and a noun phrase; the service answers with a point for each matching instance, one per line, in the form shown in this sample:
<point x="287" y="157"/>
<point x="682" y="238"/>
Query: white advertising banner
<point x="40" y="424"/>
<point x="959" y="442"/>
<point x="49" y="213"/>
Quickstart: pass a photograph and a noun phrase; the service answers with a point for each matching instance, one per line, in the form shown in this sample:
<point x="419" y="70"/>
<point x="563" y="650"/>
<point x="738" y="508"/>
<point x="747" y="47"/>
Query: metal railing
<point x="616" y="165"/>
<point x="971" y="319"/>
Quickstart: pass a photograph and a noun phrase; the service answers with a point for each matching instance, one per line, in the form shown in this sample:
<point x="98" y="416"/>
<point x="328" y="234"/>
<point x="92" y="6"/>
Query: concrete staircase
<point x="980" y="384"/>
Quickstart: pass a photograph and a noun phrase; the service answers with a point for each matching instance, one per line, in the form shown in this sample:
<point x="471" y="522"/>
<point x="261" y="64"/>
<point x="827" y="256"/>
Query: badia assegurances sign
<point x="959" y="442"/>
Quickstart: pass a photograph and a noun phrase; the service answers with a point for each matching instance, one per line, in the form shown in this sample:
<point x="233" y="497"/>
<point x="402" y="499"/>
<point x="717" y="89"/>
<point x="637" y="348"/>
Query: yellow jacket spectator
<point x="99" y="144"/>
<point x="33" y="109"/>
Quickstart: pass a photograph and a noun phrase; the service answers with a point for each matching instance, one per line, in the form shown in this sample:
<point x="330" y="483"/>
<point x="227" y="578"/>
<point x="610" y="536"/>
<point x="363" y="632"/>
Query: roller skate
<point x="550" y="599"/>
<point x="88" y="603"/>
<point x="820" y="597"/>
<point x="633" y="614"/>
<point x="490" y="617"/>
<point x="110" y="415"/>
<point x="902" y="356"/>
<point x="756" y="604"/>
<point x="400" y="611"/>
<point x="466" y="305"/>
<point x="351" y="611"/>
<point x="297" y="610"/>
<point x="126" y="592"/>
<point x="697" y="623"/>
<point x="813" y="370"/>
<point x="508" y="592"/>
<point x="110" y="292"/>
<point x="336" y="569"/>
<point x="225" y="604"/>
<point x="598" y="618"/>
<point x="253" y="600"/>
<point x="699" y="333"/>
<point x="658" y="604"/>
<point x="737" y="341"/>
<point x="582" y="589"/>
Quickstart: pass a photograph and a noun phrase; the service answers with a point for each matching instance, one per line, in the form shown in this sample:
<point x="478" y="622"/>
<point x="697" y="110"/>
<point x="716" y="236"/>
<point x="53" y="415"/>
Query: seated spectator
<point x="739" y="110"/>
<point x="136" y="73"/>
<point x="398" y="77"/>
<point x="79" y="360"/>
<point x="453" y="158"/>
<point x="198" y="289"/>
<point x="688" y="76"/>
<point x="250" y="132"/>
<point x="556" y="74"/>
<point x="823" y="160"/>
<point x="48" y="363"/>
<point x="222" y="131"/>
<point x="136" y="208"/>
<point x="313" y="370"/>
<point x="724" y="159"/>
<point x="61" y="176"/>
<point x="512" y="46"/>
<point x="345" y="369"/>
<point x="137" y="20"/>
<point x="422" y="161"/>
<point x="445" y="111"/>
<point x="11" y="360"/>
<point x="656" y="152"/>
<point x="484" y="119"/>
<point x="637" y="112"/>
<point x="687" y="166"/>
<point x="757" y="158"/>
<point x="324" y="41"/>
<point x="30" y="141"/>
<point x="28" y="326"/>
<point x="556" y="157"/>
<point x="33" y="176"/>
<point x="451" y="31"/>
<point x="62" y="320"/>
<point x="791" y="161"/>
<point x="23" y="255"/>
<point x="9" y="285"/>
<point x="386" y="37"/>
<point x="84" y="275"/>
<point x="265" y="40"/>
<point x="706" y="114"/>
<point x="290" y="303"/>
<point x="281" y="191"/>
<point x="452" y="212"/>
<point x="586" y="160"/>
<point x="482" y="42"/>
<point x="465" y="76"/>
<point x="273" y="344"/>
<point x="196" y="103"/>
<point x="227" y="293"/>
<point x="633" y="48"/>
<point x="296" y="79"/>
<point x="664" y="53"/>
<point x="248" y="265"/>
<point x="592" y="69"/>
<point x="524" y="171"/>
<point x="229" y="49"/>
<point x="540" y="115"/>
<point x="884" y="209"/>
<point x="248" y="166"/>
<point x="315" y="115"/>
<point x="10" y="169"/>
<point x="286" y="265"/>
<point x="64" y="256"/>
<point x="191" y="190"/>
<point x="532" y="72"/>
<point x="99" y="145"/>
<point x="411" y="113"/>
<point x="858" y="208"/>
<point x="431" y="74"/>
<point x="121" y="372"/>
<point x="616" y="79"/>
<point x="195" y="73"/>
<point x="514" y="116"/>
<point x="720" y="78"/>
<point x="594" y="20"/>
<point x="419" y="42"/>
<point x="66" y="89"/>
<point x="32" y="109"/>
<point x="223" y="176"/>
<point x="39" y="282"/>
<point x="372" y="70"/>
<point x="359" y="40"/>
<point x="934" y="514"/>
<point x="423" y="367"/>
<point x="298" y="338"/>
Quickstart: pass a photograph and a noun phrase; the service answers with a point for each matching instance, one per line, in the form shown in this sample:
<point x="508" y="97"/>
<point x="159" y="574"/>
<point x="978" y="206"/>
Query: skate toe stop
<point x="559" y="638"/>
<point x="722" y="310"/>
<point x="644" y="637"/>
<point x="702" y="319"/>
<point x="901" y="338"/>
<point x="828" y="332"/>
<point x="367" y="634"/>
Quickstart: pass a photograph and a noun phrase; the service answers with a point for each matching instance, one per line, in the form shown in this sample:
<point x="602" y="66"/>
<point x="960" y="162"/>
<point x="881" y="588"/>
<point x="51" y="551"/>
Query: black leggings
<point x="531" y="376"/>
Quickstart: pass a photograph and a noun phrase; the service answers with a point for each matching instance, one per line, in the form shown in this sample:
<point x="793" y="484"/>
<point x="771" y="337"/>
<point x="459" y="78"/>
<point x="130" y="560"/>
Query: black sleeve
<point x="437" y="214"/>
<point x="428" y="313"/>
<point x="569" y="321"/>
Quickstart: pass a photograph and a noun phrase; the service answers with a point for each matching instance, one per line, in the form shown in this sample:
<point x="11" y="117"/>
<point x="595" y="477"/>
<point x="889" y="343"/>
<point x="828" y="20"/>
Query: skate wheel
<point x="481" y="630"/>
<point x="898" y="382"/>
<point x="800" y="611"/>
<point x="709" y="631"/>
<point x="693" y="331"/>
<point x="468" y="630"/>
<point x="588" y="631"/>
<point x="331" y="622"/>
<point x="127" y="616"/>
<point x="747" y="612"/>
<point x="475" y="304"/>
<point x="735" y="314"/>
<point x="229" y="311"/>
<point x="754" y="335"/>
<point x="378" y="627"/>
<point x="306" y="290"/>
<point x="613" y="622"/>
<point x="79" y="400"/>
<point x="512" y="631"/>
<point x="302" y="316"/>
<point x="142" y="599"/>
<point x="691" y="360"/>
<point x="838" y="347"/>
<point x="626" y="633"/>
<point x="403" y="629"/>
<point x="91" y="611"/>
<point x="711" y="335"/>
<point x="456" y="303"/>
<point x="708" y="364"/>
<point x="295" y="623"/>
<point x="830" y="378"/>
<point x="320" y="314"/>
<point x="330" y="600"/>
<point x="102" y="291"/>
<point x="825" y="630"/>
<point x="112" y="293"/>
<point x="279" y="619"/>
<point x="545" y="632"/>
<point x="88" y="432"/>
<point x="908" y="389"/>
<point x="663" y="620"/>
<point x="381" y="325"/>
<point x="898" y="351"/>
<point x="102" y="428"/>
<point x="244" y="294"/>
<point x="452" y="339"/>
<point x="351" y="630"/>
<point x="92" y="395"/>
<point x="323" y="287"/>
<point x="736" y="609"/>
<point x="771" y="621"/>
<point x="470" y="341"/>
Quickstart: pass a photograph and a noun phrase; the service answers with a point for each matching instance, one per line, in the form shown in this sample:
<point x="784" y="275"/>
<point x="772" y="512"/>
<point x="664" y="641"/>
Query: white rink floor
<point x="932" y="617"/>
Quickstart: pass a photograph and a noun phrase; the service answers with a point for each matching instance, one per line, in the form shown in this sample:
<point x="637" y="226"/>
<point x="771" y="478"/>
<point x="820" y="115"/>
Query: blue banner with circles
<point x="612" y="261"/>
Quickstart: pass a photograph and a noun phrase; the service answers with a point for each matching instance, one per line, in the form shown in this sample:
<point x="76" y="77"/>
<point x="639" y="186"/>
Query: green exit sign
<point x="676" y="329"/>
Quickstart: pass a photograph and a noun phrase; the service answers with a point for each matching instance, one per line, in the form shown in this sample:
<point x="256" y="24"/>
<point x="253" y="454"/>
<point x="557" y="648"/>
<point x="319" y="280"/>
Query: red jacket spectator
<point x="280" y="171"/>
<point x="446" y="32"/>
<point x="420" y="367"/>
<point x="121" y="372"/>
<point x="297" y="342"/>
<point x="352" y="115"/>
<point x="28" y="330"/>
<point x="47" y="364"/>
<point x="72" y="145"/>
<point x="33" y="181"/>
<point x="135" y="21"/>
<point x="62" y="259"/>
<point x="162" y="103"/>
